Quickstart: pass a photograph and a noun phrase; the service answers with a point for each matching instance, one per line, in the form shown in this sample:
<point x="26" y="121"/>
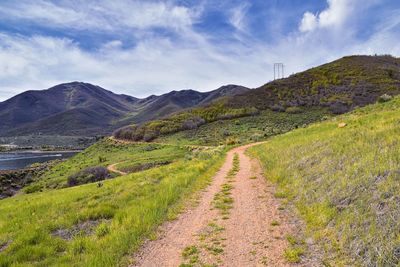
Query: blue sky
<point x="152" y="47"/>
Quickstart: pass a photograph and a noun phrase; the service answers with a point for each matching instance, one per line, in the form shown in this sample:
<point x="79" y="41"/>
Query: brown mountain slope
<point x="86" y="110"/>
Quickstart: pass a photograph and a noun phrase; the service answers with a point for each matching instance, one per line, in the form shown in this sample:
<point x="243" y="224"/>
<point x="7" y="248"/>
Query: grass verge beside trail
<point x="345" y="183"/>
<point x="90" y="225"/>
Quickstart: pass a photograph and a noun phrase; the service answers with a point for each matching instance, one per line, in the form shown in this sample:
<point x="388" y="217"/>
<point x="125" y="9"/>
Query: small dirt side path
<point x="253" y="234"/>
<point x="113" y="168"/>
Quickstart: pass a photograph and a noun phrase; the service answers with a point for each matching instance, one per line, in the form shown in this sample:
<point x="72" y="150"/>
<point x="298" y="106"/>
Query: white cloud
<point x="309" y="22"/>
<point x="100" y="15"/>
<point x="238" y="16"/>
<point x="335" y="15"/>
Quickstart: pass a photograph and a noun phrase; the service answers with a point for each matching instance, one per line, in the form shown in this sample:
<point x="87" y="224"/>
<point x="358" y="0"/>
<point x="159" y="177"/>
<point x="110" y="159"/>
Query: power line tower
<point x="279" y="71"/>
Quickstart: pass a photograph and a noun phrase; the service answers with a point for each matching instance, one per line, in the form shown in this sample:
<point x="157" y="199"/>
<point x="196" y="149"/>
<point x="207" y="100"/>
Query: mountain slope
<point x="338" y="86"/>
<point x="75" y="104"/>
<point x="344" y="181"/>
<point x="155" y="107"/>
<point x="84" y="109"/>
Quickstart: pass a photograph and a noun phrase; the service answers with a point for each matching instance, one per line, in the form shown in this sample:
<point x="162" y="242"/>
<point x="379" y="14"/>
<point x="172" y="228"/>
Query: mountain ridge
<point x="79" y="108"/>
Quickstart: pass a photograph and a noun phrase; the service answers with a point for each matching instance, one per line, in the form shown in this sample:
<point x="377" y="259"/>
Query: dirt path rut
<point x="249" y="229"/>
<point x="113" y="168"/>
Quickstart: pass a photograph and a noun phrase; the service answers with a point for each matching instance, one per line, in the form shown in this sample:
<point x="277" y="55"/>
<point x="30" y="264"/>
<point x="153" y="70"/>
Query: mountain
<point x="155" y="107"/>
<point x="84" y="109"/>
<point x="72" y="108"/>
<point x="339" y="86"/>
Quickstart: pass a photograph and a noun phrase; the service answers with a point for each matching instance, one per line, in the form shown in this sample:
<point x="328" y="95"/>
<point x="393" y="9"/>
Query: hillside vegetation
<point x="100" y="224"/>
<point x="344" y="182"/>
<point x="104" y="153"/>
<point x="246" y="129"/>
<point x="339" y="86"/>
<point x="182" y="121"/>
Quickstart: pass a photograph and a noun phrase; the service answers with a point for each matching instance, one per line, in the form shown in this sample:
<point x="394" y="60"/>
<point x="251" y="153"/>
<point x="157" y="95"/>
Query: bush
<point x="148" y="136"/>
<point x="277" y="108"/>
<point x="231" y="141"/>
<point x="193" y="123"/>
<point x="384" y="98"/>
<point x="293" y="110"/>
<point x="339" y="108"/>
<point x="256" y="137"/>
<point x="88" y="175"/>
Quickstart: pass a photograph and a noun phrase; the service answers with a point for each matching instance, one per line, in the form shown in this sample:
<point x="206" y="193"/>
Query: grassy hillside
<point x="246" y="129"/>
<point x="104" y="153"/>
<point x="93" y="225"/>
<point x="339" y="86"/>
<point x="345" y="183"/>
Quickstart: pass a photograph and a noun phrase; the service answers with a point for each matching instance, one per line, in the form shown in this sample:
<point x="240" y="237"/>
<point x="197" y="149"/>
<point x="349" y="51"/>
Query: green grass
<point x="275" y="223"/>
<point x="104" y="153"/>
<point x="190" y="251"/>
<point x="293" y="255"/>
<point x="247" y="129"/>
<point x="345" y="183"/>
<point x="123" y="212"/>
<point x="223" y="200"/>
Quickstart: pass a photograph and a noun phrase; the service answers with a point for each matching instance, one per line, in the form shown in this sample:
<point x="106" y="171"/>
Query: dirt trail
<point x="113" y="168"/>
<point x="247" y="236"/>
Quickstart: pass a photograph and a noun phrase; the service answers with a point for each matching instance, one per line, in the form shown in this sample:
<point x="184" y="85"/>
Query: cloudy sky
<point x="151" y="47"/>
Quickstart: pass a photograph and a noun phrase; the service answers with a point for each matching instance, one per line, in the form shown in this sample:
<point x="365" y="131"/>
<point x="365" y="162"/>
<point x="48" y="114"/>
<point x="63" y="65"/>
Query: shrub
<point x="193" y="123"/>
<point x="231" y="141"/>
<point x="384" y="98"/>
<point x="102" y="159"/>
<point x="256" y="137"/>
<point x="293" y="110"/>
<point x="277" y="108"/>
<point x="148" y="136"/>
<point x="338" y="108"/>
<point x="88" y="175"/>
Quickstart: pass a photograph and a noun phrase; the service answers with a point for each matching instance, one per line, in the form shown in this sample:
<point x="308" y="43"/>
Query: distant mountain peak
<point x="79" y="108"/>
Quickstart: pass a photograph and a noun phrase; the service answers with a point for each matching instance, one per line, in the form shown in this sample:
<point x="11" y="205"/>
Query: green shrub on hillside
<point x="88" y="175"/>
<point x="293" y="110"/>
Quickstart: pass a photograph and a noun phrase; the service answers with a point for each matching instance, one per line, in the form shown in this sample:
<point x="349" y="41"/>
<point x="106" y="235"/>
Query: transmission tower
<point x="279" y="71"/>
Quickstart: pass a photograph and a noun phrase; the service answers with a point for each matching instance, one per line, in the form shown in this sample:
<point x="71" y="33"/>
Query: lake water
<point x="19" y="160"/>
